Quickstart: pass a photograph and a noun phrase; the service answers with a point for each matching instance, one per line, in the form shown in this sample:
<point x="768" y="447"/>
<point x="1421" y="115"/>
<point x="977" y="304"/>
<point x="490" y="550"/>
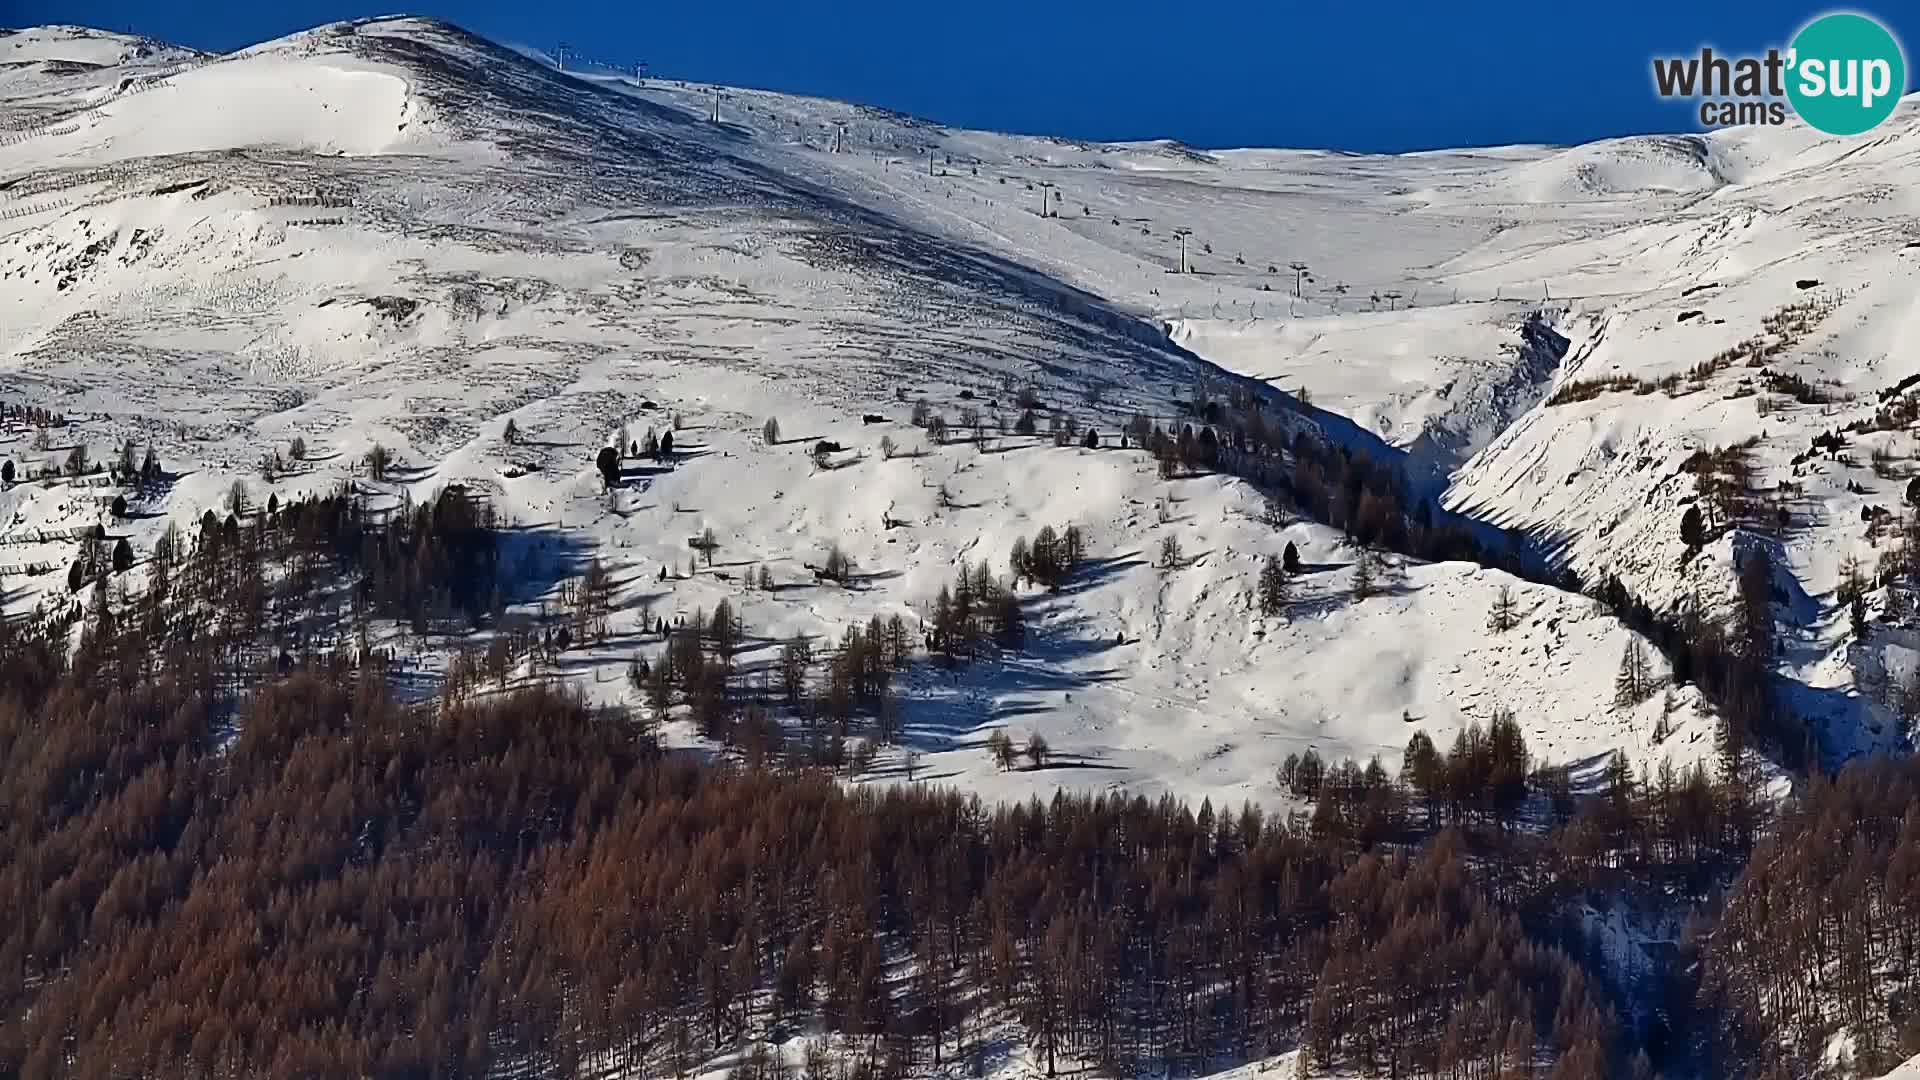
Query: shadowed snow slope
<point x="393" y="232"/>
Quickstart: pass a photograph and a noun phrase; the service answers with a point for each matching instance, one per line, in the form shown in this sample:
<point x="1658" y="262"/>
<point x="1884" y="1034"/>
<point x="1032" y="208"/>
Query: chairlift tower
<point x="1183" y="232"/>
<point x="1299" y="269"/>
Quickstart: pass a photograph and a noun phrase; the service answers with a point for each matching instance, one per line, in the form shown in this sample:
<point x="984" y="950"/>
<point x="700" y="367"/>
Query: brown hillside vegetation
<point x="230" y="851"/>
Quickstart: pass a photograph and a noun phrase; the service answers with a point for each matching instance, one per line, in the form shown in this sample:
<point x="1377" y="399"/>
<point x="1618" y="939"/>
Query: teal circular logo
<point x="1847" y="73"/>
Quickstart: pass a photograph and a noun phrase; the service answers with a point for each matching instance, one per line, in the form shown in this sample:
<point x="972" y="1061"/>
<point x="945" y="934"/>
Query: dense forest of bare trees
<point x="1822" y="929"/>
<point x="233" y="850"/>
<point x="350" y="884"/>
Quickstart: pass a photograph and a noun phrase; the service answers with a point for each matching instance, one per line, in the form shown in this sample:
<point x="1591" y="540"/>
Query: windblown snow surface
<point x="391" y="231"/>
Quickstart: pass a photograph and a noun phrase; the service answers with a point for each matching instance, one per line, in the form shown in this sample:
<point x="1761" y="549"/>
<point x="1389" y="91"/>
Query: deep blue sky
<point x="1385" y="75"/>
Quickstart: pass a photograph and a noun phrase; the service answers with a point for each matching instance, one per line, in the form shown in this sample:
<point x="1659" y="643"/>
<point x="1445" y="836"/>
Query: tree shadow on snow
<point x="1056" y="761"/>
<point x="534" y="559"/>
<point x="1096" y="572"/>
<point x="1320" y="567"/>
<point x="957" y="708"/>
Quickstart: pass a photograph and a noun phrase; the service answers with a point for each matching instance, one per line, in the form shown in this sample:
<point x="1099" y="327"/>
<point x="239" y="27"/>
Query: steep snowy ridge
<point x="393" y="232"/>
<point x="84" y="45"/>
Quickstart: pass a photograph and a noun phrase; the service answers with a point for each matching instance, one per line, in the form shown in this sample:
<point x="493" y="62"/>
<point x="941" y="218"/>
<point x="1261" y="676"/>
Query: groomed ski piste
<point x="392" y="232"/>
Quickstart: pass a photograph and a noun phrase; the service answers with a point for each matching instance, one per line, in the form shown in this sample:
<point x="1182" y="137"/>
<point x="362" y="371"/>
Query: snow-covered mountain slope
<point x="392" y="232"/>
<point x="1777" y="262"/>
<point x="49" y="72"/>
<point x="57" y="56"/>
<point x="1778" y="312"/>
